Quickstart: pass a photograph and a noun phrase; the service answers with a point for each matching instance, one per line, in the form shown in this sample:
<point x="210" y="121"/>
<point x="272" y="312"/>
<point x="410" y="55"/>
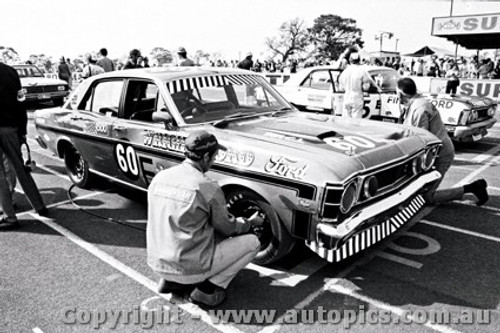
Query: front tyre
<point x="77" y="168"/>
<point x="275" y="240"/>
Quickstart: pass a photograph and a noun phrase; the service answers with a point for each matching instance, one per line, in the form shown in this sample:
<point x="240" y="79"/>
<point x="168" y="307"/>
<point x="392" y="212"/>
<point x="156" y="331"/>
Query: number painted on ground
<point x="432" y="246"/>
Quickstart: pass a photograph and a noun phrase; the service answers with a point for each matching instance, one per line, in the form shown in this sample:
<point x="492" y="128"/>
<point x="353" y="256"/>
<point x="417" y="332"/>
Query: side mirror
<point x="163" y="117"/>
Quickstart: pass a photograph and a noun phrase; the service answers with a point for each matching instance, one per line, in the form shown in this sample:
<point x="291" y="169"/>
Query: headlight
<point x="429" y="158"/>
<point x="492" y="110"/>
<point x="472" y="116"/>
<point x="370" y="186"/>
<point x="60" y="88"/>
<point x="416" y="164"/>
<point x="349" y="197"/>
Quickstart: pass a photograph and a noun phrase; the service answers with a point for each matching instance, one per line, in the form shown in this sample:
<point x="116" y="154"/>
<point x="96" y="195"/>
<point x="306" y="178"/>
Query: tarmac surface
<point x="84" y="269"/>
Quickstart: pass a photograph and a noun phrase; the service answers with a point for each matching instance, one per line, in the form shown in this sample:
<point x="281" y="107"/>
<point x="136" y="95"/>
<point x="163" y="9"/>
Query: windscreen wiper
<point x="227" y="119"/>
<point x="280" y="110"/>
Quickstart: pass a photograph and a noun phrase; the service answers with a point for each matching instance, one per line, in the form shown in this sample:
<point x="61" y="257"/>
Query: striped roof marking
<point x="211" y="81"/>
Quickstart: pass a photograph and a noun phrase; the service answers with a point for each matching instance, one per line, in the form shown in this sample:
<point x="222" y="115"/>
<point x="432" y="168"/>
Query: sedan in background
<point x="40" y="89"/>
<point x="317" y="89"/>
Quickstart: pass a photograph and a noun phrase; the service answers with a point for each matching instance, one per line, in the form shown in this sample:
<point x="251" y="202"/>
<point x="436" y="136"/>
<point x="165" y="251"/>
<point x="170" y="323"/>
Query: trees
<point x="332" y="34"/>
<point x="161" y="55"/>
<point x="329" y="36"/>
<point x="293" y="38"/>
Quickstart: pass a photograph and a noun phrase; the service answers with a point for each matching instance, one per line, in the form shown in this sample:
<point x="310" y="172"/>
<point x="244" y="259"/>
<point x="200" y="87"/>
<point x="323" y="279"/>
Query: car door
<point x="91" y="123"/>
<point x="315" y="92"/>
<point x="143" y="147"/>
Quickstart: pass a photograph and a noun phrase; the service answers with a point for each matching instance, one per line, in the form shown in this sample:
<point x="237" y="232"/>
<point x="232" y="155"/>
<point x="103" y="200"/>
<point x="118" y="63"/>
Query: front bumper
<point x="352" y="236"/>
<point x="472" y="132"/>
<point x="46" y="96"/>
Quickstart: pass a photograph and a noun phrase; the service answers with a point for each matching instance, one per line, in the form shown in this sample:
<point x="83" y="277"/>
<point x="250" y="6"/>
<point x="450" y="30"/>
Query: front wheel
<point x="275" y="241"/>
<point x="77" y="168"/>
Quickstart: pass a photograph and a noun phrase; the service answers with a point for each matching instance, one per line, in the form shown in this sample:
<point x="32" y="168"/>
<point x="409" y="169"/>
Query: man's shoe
<point x="213" y="299"/>
<point x="43" y="212"/>
<point x="169" y="287"/>
<point x="9" y="225"/>
<point x="479" y="189"/>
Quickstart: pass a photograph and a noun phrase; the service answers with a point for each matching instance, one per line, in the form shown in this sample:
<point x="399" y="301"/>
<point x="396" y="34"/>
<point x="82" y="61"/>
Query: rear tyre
<point x="275" y="240"/>
<point x="77" y="168"/>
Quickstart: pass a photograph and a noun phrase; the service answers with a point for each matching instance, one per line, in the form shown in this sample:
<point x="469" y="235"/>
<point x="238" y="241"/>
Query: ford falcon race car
<point x="339" y="185"/>
<point x="317" y="89"/>
<point x="39" y="88"/>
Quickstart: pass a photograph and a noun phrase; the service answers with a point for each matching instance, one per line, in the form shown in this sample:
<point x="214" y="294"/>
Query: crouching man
<point x="193" y="243"/>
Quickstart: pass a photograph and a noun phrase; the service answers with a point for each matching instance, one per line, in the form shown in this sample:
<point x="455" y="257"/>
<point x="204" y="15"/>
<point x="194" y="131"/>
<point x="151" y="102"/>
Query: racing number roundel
<point x="126" y="158"/>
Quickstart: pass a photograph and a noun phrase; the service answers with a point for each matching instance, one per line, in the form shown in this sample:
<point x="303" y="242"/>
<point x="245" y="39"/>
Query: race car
<point x="339" y="185"/>
<point x="40" y="89"/>
<point x="316" y="89"/>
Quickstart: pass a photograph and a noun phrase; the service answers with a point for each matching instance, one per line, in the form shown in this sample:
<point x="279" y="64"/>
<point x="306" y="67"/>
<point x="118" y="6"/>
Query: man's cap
<point x="249" y="54"/>
<point x="201" y="142"/>
<point x="181" y="50"/>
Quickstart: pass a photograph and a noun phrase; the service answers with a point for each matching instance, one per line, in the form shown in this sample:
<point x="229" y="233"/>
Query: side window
<point x="104" y="98"/>
<point x="141" y="100"/>
<point x="319" y="80"/>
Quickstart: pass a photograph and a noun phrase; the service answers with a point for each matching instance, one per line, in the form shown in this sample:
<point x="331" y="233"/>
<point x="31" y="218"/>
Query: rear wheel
<point x="275" y="240"/>
<point x="77" y="168"/>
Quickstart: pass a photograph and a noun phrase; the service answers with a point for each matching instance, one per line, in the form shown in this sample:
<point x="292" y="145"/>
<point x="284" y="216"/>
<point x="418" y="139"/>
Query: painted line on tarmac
<point x="473" y="174"/>
<point x="192" y="309"/>
<point x="462" y="231"/>
<point x="349" y="291"/>
<point x="37" y="330"/>
<point x="295" y="275"/>
<point x="487" y="154"/>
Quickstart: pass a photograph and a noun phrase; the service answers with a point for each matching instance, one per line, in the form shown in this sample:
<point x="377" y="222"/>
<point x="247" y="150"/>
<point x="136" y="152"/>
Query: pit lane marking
<point x="192" y="309"/>
<point x="352" y="292"/>
<point x="37" y="330"/>
<point x="462" y="231"/>
<point x="295" y="275"/>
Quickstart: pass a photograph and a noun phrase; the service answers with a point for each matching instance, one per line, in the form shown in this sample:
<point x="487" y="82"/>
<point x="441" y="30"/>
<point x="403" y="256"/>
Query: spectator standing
<point x="13" y="126"/>
<point x="419" y="112"/>
<point x="192" y="240"/>
<point x="353" y="79"/>
<point x="91" y="68"/>
<point x="246" y="63"/>
<point x="64" y="72"/>
<point x="132" y="59"/>
<point x="183" y="59"/>
<point x="107" y="64"/>
<point x="453" y="82"/>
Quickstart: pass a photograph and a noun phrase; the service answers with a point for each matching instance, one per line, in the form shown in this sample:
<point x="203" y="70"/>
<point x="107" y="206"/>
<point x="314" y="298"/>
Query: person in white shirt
<point x="353" y="79"/>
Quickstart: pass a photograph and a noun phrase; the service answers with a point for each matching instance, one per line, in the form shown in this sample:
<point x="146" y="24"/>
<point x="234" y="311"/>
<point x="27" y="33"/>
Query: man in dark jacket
<point x="13" y="124"/>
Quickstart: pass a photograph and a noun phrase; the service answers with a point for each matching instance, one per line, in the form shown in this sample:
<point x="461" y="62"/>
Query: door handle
<point x="119" y="128"/>
<point x="76" y="118"/>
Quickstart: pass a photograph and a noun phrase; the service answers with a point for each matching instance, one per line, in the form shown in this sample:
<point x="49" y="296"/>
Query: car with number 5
<point x="317" y="89"/>
<point x="339" y="185"/>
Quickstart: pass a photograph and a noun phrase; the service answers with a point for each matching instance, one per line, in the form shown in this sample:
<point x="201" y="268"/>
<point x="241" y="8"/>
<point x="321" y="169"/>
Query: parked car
<point x="317" y="89"/>
<point x="40" y="88"/>
<point x="340" y="185"/>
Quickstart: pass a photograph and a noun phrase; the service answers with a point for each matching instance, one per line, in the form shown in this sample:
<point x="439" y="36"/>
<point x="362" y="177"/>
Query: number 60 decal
<point x="349" y="142"/>
<point x="126" y="159"/>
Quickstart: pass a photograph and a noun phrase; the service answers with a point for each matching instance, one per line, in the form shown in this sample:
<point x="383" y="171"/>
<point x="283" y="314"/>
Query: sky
<point x="230" y="27"/>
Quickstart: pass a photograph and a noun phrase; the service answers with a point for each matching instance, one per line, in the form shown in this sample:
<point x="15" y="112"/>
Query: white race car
<point x="317" y="89"/>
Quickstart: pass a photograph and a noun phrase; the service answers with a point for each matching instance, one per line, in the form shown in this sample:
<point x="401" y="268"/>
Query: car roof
<point x="172" y="73"/>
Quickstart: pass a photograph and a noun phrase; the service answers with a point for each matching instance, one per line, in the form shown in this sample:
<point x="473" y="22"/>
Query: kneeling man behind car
<point x="193" y="243"/>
